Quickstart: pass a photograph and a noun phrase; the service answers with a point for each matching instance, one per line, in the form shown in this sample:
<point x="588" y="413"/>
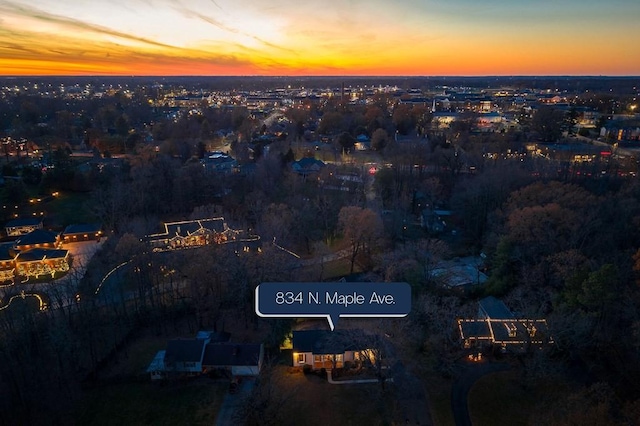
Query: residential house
<point x="22" y="226"/>
<point x="189" y="234"/>
<point x="433" y="220"/>
<point x="184" y="356"/>
<point x="7" y="263"/>
<point x="239" y="359"/>
<point x="443" y="119"/>
<point x="218" y="161"/>
<point x="82" y="232"/>
<point x="622" y="131"/>
<point x="489" y="121"/>
<point x="328" y="349"/>
<point x="35" y="254"/>
<point x="363" y="143"/>
<point x="307" y="165"/>
<point x="496" y="326"/>
<point x="38" y="238"/>
<point x="206" y="352"/>
<point x="156" y="368"/>
<point x="462" y="273"/>
<point x="198" y="233"/>
<point x="41" y="261"/>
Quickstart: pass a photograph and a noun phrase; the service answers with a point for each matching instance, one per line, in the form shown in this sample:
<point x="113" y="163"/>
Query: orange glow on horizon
<point x="206" y="37"/>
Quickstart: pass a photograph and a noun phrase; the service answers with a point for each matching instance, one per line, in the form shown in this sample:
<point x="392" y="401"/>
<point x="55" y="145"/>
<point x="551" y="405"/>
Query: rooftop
<point x="37" y="236"/>
<point x="83" y="228"/>
<point x="26" y="221"/>
<point x="495" y="309"/>
<point x="184" y="350"/>
<point x="325" y="342"/>
<point x="41" y="254"/>
<point x="222" y="354"/>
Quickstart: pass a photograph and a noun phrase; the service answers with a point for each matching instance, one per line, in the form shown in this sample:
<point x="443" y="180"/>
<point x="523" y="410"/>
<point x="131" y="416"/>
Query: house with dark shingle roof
<point x="497" y="326"/>
<point x="82" y="232"/>
<point x="38" y="238"/>
<point x="206" y="352"/>
<point x="42" y="261"/>
<point x="218" y="162"/>
<point x="184" y="355"/>
<point x="327" y="349"/>
<point x="239" y="359"/>
<point x="307" y="165"/>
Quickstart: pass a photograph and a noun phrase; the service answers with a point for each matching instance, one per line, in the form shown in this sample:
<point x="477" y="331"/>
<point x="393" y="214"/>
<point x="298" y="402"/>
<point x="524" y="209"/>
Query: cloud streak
<point x="224" y="27"/>
<point x="70" y="49"/>
<point x="11" y="8"/>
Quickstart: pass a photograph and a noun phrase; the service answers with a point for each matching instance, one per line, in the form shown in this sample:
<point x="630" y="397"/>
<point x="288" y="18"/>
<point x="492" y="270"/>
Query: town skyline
<point x="409" y="38"/>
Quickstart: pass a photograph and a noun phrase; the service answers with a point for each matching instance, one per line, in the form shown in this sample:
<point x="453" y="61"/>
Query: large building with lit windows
<point x="36" y="254"/>
<point x="196" y="233"/>
<point x="22" y="226"/>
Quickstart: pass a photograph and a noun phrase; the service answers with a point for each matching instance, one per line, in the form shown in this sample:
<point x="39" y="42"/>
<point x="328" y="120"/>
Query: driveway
<point x="231" y="402"/>
<point x="412" y="397"/>
<point x="462" y="386"/>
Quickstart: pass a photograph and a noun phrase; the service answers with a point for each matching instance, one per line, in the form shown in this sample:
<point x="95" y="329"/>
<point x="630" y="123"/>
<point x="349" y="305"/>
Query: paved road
<point x="462" y="386"/>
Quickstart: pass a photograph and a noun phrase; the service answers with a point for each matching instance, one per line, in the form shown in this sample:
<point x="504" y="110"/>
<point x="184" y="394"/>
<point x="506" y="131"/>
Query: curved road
<point x="462" y="386"/>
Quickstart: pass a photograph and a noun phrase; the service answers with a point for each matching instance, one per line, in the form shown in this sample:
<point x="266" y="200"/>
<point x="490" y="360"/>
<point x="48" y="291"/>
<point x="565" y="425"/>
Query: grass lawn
<point x="439" y="394"/>
<point x="187" y="403"/>
<point x="501" y="399"/>
<point x="68" y="208"/>
<point x="133" y="360"/>
<point x="125" y="395"/>
<point x="338" y="268"/>
<point x="314" y="401"/>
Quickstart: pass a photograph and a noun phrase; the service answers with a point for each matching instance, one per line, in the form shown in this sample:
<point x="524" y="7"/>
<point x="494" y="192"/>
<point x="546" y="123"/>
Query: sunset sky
<point x="320" y="37"/>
